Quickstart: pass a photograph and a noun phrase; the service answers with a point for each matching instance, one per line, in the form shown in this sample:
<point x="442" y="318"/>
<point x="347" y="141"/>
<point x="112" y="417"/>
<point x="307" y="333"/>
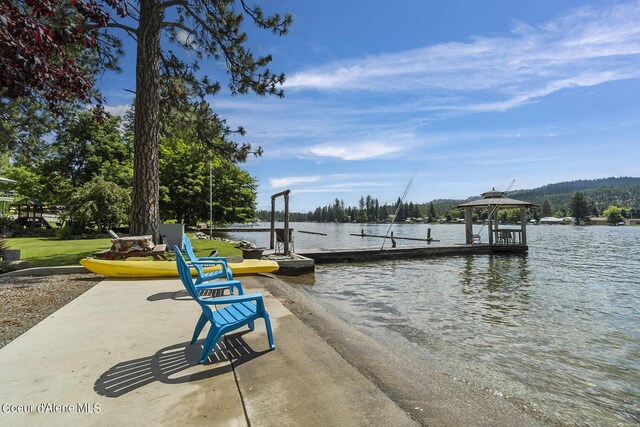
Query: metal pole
<point x="211" y="196"/>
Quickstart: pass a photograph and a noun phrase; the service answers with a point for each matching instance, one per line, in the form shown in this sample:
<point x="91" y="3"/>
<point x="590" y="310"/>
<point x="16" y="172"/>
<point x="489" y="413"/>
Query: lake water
<point x="556" y="330"/>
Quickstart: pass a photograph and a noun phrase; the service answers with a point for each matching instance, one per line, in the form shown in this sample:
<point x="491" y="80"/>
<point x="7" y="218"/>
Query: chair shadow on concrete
<point x="166" y="365"/>
<point x="183" y="295"/>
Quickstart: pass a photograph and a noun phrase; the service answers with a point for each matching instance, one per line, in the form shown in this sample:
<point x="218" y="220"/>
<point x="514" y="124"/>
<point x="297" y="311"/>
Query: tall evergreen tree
<point x="432" y="212"/>
<point x="45" y="33"/>
<point x="546" y="208"/>
<point x="579" y="208"/>
<point x="211" y="29"/>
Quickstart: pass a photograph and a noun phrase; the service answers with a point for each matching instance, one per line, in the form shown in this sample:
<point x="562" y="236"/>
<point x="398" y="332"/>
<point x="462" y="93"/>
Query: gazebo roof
<point x="495" y="198"/>
<point x="503" y="202"/>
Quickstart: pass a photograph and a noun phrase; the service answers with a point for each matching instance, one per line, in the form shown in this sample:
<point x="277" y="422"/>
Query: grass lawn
<point x="51" y="251"/>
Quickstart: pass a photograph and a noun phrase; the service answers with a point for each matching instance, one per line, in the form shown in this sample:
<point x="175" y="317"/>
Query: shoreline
<point x="427" y="394"/>
<point x="423" y="392"/>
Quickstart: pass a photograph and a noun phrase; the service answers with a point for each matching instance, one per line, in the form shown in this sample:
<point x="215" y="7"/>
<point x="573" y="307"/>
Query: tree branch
<point x="131" y="5"/>
<point x="177" y="25"/>
<point x="172" y="3"/>
<point x="113" y="24"/>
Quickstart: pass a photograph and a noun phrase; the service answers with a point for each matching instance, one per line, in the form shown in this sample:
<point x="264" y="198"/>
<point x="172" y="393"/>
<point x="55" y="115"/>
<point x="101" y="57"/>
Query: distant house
<point x="554" y="220"/>
<point x="598" y="220"/>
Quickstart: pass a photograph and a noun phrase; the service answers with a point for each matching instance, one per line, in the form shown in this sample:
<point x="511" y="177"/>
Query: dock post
<point x="286" y="220"/>
<point x="286" y="224"/>
<point x="273" y="223"/>
<point x="429" y="235"/>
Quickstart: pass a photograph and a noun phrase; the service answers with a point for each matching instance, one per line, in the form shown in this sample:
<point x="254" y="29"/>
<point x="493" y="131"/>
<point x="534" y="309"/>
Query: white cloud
<point x="117" y="110"/>
<point x="587" y="47"/>
<point x="357" y="151"/>
<point x="338" y="182"/>
<point x="186" y="39"/>
<point x="292" y="180"/>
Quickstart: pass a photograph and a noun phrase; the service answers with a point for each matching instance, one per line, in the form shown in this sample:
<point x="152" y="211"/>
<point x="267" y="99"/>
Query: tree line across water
<point x="614" y="198"/>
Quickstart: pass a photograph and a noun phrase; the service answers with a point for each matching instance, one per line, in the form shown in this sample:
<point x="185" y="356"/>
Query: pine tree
<point x="579" y="208"/>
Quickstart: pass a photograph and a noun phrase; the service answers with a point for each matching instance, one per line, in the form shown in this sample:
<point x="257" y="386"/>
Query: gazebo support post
<point x="468" y="224"/>
<point x="490" y="221"/>
<point x="493" y="201"/>
<point x="523" y="226"/>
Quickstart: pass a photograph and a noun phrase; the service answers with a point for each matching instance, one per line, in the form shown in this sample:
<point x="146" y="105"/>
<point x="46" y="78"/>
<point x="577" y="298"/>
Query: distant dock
<point x="323" y="256"/>
<point x="235" y="230"/>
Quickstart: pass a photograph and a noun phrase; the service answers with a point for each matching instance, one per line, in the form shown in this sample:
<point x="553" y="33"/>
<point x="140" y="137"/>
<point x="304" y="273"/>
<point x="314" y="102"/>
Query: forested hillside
<point x="624" y="191"/>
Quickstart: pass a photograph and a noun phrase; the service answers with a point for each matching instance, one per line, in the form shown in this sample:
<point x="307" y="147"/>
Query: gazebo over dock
<point x="501" y="239"/>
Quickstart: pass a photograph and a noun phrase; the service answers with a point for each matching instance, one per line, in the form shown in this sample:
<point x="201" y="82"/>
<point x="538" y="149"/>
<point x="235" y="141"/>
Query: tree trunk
<point x="145" y="213"/>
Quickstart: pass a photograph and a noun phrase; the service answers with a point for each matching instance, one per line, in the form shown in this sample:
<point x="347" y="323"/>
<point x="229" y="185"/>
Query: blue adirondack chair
<point x="199" y="262"/>
<point x="242" y="310"/>
<point x="205" y="280"/>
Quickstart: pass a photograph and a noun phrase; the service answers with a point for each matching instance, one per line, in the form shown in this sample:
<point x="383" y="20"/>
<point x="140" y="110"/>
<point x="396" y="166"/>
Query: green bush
<point x="65" y="233"/>
<point x="7" y="225"/>
<point x="97" y="204"/>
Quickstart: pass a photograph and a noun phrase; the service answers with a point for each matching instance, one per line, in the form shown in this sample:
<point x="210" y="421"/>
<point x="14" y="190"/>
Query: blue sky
<point x="466" y="95"/>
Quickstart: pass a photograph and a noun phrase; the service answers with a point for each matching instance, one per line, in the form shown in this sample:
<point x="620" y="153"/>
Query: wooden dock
<point x="322" y="256"/>
<point x="235" y="230"/>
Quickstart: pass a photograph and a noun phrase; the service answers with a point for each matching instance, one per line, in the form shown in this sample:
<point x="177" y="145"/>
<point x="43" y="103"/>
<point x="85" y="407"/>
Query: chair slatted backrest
<point x="185" y="274"/>
<point x="188" y="248"/>
<point x="191" y="255"/>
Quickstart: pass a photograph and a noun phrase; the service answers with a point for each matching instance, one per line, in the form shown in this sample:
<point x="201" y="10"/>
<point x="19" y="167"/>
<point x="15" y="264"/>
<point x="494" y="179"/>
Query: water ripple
<point x="557" y="329"/>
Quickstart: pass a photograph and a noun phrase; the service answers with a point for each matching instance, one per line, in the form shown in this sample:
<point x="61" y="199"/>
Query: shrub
<point x="7" y="225"/>
<point x="98" y="203"/>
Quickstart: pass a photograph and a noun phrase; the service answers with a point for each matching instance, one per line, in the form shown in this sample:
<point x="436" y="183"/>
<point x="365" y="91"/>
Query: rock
<point x="245" y="244"/>
<point x="14" y="265"/>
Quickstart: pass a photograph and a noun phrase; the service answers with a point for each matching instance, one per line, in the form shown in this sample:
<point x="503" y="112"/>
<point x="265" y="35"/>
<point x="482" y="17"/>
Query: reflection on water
<point x="498" y="293"/>
<point x="556" y="330"/>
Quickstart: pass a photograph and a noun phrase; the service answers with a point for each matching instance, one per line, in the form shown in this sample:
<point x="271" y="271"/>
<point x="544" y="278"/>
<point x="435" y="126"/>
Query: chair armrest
<point x="233" y="299"/>
<point x="221" y="284"/>
<point x="212" y="258"/>
<point x="200" y="262"/>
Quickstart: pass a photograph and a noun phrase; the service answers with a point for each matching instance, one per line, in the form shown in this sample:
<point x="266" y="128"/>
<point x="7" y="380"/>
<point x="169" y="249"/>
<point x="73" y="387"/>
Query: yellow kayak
<point x="146" y="268"/>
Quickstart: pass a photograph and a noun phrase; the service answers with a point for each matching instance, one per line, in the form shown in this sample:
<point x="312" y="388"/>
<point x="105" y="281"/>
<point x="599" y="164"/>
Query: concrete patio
<point x="119" y="355"/>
